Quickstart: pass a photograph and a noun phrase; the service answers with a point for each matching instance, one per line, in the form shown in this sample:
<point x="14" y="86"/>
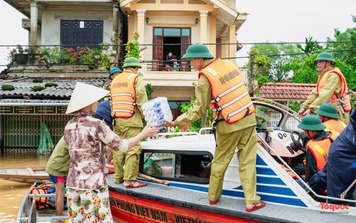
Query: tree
<point x="343" y="47"/>
<point x="311" y="46"/>
<point x="269" y="62"/>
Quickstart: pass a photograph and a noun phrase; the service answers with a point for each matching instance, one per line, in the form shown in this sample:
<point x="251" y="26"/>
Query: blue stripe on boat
<point x="271" y="189"/>
<point x="265" y="171"/>
<point x="295" y="201"/>
<point x="260" y="162"/>
<point x="269" y="180"/>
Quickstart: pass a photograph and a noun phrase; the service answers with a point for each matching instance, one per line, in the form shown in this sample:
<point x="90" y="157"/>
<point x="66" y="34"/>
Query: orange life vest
<point x="230" y="96"/>
<point x="123" y="95"/>
<point x="335" y="125"/>
<point x="342" y="101"/>
<point x="41" y="202"/>
<point x="320" y="149"/>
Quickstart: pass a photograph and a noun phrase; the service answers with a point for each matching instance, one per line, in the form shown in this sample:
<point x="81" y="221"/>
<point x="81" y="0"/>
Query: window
<point x="81" y="32"/>
<point x="267" y="117"/>
<point x="182" y="166"/>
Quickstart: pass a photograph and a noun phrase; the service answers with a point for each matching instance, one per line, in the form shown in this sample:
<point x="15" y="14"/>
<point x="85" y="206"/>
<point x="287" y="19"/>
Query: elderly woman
<point x="86" y="136"/>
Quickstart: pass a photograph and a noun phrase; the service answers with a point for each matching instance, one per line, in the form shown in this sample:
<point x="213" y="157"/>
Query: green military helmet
<point x="311" y="122"/>
<point x="197" y="50"/>
<point x="131" y="62"/>
<point x="325" y="56"/>
<point x="328" y="110"/>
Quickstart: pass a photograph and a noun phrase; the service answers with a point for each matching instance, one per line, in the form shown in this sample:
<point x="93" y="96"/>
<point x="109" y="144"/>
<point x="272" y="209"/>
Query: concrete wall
<point x="50" y="33"/>
<point x="171" y="21"/>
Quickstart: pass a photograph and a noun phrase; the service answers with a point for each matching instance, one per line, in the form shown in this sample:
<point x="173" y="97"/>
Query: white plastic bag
<point x="156" y="111"/>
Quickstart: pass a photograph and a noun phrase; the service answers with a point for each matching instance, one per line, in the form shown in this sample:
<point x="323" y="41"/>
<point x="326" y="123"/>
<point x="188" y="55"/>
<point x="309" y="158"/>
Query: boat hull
<point x="134" y="210"/>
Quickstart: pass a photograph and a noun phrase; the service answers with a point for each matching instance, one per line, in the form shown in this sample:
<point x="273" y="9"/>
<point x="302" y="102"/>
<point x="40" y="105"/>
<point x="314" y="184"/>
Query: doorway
<point x="172" y="44"/>
<point x="169" y="39"/>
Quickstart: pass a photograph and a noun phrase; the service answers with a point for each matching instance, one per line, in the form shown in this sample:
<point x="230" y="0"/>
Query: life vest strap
<point x="231" y="102"/>
<point x="227" y="92"/>
<point x="122" y="94"/>
<point x="240" y="110"/>
<point x="124" y="102"/>
<point x="123" y="110"/>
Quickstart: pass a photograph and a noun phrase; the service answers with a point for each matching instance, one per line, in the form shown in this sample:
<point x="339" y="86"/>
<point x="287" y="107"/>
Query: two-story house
<point x="162" y="26"/>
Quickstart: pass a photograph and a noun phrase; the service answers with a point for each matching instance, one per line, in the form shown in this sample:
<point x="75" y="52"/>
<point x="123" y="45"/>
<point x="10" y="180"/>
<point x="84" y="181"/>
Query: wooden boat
<point x="25" y="174"/>
<point x="182" y="160"/>
<point x="35" y="206"/>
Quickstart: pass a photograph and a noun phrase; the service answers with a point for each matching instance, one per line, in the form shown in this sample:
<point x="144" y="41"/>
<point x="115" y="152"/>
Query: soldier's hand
<point x="301" y="112"/>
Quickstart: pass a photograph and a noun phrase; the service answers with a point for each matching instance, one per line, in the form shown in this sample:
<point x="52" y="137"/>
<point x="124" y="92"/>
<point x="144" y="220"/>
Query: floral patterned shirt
<point x="86" y="138"/>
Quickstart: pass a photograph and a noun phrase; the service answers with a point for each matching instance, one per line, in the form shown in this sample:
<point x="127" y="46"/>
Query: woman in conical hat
<point x="87" y="138"/>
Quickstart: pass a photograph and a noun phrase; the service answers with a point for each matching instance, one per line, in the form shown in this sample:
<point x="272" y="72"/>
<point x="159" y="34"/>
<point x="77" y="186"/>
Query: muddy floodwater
<point x="12" y="193"/>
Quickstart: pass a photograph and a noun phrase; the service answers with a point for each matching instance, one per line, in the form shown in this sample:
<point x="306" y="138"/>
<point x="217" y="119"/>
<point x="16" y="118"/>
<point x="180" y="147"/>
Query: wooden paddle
<point x="145" y="176"/>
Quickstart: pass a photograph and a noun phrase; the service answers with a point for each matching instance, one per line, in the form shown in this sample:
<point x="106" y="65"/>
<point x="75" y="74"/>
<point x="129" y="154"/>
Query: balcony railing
<point x="56" y="58"/>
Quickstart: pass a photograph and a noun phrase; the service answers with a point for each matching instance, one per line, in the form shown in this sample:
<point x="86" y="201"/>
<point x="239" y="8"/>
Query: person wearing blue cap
<point x="113" y="73"/>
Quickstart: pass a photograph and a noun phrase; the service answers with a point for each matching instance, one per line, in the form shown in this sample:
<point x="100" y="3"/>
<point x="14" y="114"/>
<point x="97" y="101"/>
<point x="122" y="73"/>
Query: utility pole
<point x="251" y="77"/>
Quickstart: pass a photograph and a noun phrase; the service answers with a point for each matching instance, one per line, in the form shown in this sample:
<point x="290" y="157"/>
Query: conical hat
<point x="84" y="95"/>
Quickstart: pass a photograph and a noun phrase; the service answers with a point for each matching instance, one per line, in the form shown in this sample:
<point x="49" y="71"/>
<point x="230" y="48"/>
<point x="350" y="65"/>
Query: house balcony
<point x="56" y="62"/>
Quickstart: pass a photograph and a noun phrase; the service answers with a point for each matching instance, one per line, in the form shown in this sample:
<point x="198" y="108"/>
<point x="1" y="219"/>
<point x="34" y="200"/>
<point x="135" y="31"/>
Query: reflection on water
<point x="12" y="193"/>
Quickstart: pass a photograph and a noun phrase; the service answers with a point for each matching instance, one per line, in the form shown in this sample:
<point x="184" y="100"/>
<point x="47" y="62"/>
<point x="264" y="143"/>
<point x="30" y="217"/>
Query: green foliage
<point x="37" y="80"/>
<point x="295" y="105"/>
<point x="51" y="84"/>
<point x="38" y="88"/>
<point x="343" y="49"/>
<point x="304" y="69"/>
<point x="194" y="126"/>
<point x="311" y="46"/>
<point x="206" y="120"/>
<point x="149" y="91"/>
<point x="78" y="55"/>
<point x="7" y="87"/>
<point x="270" y="61"/>
<point x="133" y="49"/>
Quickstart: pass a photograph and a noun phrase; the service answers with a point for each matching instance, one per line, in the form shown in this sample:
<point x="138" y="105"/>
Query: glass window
<point x="171" y="32"/>
<point x="178" y="165"/>
<point x="267" y="117"/>
<point x="185" y="32"/>
<point x="157" y="31"/>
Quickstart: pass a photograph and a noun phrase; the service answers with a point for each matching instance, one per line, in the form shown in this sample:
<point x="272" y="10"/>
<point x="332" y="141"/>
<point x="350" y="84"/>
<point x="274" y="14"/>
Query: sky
<point x="268" y="21"/>
<point x="292" y="20"/>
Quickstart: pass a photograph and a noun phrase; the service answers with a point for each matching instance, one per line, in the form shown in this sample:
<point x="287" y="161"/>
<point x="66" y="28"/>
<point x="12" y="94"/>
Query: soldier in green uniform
<point x="128" y="94"/>
<point x="331" y="88"/>
<point x="235" y="129"/>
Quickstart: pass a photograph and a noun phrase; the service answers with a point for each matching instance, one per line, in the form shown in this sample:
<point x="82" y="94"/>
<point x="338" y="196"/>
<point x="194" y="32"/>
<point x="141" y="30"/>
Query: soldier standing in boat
<point x="221" y="84"/>
<point x="128" y="94"/>
<point x="331" y="88"/>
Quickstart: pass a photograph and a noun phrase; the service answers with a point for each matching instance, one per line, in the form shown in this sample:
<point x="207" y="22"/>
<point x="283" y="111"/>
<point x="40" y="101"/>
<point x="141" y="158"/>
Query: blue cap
<point x="115" y="70"/>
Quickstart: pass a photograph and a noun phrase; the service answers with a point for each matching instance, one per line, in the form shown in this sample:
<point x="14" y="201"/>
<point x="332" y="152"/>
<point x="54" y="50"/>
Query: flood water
<point x="12" y="193"/>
